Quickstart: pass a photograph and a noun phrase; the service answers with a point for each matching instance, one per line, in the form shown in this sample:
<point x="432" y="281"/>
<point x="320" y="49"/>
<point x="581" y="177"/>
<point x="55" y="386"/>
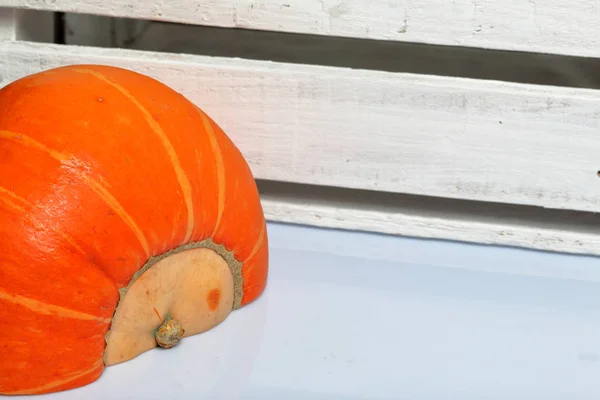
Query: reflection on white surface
<point x="357" y="316"/>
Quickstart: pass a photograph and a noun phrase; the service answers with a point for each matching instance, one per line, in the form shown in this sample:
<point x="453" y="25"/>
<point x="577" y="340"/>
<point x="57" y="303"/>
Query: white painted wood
<point x="90" y="30"/>
<point x="422" y="225"/>
<point x="442" y="137"/>
<point x="548" y="26"/>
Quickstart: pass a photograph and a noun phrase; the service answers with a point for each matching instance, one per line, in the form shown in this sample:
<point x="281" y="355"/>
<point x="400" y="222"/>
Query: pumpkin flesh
<point x="193" y="288"/>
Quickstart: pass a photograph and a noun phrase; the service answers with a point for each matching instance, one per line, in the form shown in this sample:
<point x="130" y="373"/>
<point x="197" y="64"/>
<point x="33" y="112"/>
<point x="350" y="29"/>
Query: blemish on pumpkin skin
<point x="213" y="299"/>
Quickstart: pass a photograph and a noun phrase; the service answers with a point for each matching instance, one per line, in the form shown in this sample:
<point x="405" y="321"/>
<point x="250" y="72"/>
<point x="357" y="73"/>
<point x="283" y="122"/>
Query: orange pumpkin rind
<point x="128" y="220"/>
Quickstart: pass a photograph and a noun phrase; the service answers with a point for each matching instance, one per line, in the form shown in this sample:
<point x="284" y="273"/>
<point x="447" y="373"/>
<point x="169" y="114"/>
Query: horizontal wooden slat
<point x="441" y="137"/>
<point x="545" y="69"/>
<point x="443" y="225"/>
<point x="547" y="26"/>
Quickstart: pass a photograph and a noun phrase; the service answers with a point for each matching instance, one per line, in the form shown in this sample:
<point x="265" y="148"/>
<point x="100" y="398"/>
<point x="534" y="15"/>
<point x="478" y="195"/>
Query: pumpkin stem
<point x="169" y="333"/>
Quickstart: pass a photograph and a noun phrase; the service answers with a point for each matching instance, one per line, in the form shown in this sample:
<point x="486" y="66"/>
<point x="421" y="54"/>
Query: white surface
<point x="434" y="136"/>
<point x="552" y="26"/>
<point x="359" y="316"/>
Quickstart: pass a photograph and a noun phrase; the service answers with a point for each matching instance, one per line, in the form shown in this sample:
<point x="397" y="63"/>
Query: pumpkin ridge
<point x="259" y="242"/>
<point x="97" y="187"/>
<point x="19" y="208"/>
<point x="216" y="149"/>
<point x="30" y="142"/>
<point x="181" y="175"/>
<point x="71" y="377"/>
<point x="49" y="309"/>
<point x="11" y="194"/>
<point x="118" y="208"/>
<point x="12" y="205"/>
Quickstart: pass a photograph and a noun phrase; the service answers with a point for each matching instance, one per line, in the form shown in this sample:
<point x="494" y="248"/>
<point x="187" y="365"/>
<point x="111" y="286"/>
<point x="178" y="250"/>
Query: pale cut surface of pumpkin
<point x="186" y="293"/>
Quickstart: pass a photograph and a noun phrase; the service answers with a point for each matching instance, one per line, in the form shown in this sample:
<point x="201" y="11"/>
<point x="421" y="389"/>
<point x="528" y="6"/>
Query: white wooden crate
<point x="523" y="155"/>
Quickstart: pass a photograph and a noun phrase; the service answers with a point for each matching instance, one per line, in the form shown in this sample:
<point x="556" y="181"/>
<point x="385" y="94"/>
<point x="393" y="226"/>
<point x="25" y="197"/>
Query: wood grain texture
<point x="547" y="26"/>
<point x="444" y="224"/>
<point x="423" y="226"/>
<point x="440" y="137"/>
<point x="534" y="68"/>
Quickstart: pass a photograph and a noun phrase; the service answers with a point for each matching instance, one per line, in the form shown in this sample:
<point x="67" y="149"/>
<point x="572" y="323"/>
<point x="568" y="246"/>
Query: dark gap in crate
<point x="432" y="207"/>
<point x="60" y="36"/>
<point x="521" y="67"/>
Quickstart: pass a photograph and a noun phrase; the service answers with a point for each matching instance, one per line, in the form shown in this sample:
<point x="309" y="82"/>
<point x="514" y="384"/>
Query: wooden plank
<point x="441" y="137"/>
<point x="546" y="26"/>
<point x="428" y="217"/>
<point x="423" y="225"/>
<point x="340" y="52"/>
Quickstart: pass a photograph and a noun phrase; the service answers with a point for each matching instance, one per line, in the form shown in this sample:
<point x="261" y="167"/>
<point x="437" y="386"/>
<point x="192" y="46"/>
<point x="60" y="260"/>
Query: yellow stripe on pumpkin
<point x="259" y="243"/>
<point x="95" y="185"/>
<point x="114" y="204"/>
<point x="29" y="142"/>
<point x="214" y="145"/>
<point x="12" y="195"/>
<point x="69" y="378"/>
<point x="49" y="309"/>
<point x="39" y="225"/>
<point x="182" y="178"/>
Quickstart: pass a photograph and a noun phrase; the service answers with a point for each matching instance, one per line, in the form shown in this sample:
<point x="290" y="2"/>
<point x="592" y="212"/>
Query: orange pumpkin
<point x="128" y="219"/>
